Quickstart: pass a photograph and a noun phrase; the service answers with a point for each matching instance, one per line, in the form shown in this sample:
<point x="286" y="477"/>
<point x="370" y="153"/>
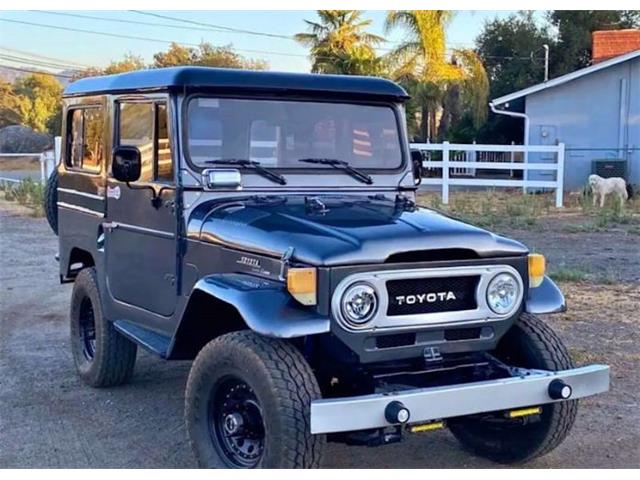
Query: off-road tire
<point x="530" y="343"/>
<point x="284" y="386"/>
<point x="114" y="355"/>
<point x="50" y="201"/>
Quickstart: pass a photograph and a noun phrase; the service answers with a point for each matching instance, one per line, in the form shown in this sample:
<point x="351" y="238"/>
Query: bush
<point x="28" y="193"/>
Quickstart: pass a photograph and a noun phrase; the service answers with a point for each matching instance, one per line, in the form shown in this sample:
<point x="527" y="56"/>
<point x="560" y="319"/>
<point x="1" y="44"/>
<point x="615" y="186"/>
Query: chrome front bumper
<point x="530" y="388"/>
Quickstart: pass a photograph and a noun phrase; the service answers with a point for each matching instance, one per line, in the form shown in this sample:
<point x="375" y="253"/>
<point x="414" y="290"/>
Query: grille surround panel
<point x="384" y="322"/>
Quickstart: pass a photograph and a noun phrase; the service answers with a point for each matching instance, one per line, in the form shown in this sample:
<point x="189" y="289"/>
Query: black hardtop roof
<point x="223" y="79"/>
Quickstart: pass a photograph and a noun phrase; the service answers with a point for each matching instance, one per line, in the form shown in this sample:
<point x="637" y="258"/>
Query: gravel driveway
<point x="49" y="419"/>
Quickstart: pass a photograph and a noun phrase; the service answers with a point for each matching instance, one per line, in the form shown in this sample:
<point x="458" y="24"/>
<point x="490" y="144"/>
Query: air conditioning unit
<point x="608" y="168"/>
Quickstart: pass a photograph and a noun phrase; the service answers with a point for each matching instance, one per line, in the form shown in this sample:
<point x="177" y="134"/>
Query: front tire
<point x="247" y="405"/>
<point x="103" y="357"/>
<point x="529" y="344"/>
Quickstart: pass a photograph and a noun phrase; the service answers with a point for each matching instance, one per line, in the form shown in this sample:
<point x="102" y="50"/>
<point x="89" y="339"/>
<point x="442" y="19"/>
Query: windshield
<point x="278" y="133"/>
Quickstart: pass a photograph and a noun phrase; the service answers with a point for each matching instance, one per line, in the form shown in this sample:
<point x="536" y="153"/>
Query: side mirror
<point x="126" y="164"/>
<point x="416" y="160"/>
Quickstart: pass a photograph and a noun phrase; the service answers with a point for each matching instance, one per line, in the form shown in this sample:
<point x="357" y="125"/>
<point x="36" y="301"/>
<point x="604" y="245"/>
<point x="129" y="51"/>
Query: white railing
<point x="456" y="156"/>
<point x="48" y="161"/>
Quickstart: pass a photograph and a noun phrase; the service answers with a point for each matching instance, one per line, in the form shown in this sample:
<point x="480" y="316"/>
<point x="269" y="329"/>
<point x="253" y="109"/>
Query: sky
<point x="91" y="49"/>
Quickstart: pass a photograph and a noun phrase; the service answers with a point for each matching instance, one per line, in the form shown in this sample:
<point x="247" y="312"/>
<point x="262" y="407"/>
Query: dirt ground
<point x="49" y="419"/>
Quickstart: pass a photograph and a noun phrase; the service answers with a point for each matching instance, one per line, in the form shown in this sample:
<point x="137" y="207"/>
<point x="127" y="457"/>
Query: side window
<point x="145" y="125"/>
<point x="164" y="162"/>
<point x="136" y="130"/>
<point x="84" y="139"/>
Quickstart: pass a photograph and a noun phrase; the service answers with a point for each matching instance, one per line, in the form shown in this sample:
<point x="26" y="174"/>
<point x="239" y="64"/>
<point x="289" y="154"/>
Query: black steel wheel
<point x="247" y="405"/>
<point x="236" y="423"/>
<point x="103" y="357"/>
<point x="87" y="329"/>
<point x="530" y="343"/>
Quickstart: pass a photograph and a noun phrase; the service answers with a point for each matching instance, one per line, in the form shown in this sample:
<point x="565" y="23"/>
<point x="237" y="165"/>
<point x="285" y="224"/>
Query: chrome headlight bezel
<point x="514" y="292"/>
<point x="349" y="312"/>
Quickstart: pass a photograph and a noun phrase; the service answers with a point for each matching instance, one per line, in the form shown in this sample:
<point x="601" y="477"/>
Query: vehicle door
<point x="141" y="236"/>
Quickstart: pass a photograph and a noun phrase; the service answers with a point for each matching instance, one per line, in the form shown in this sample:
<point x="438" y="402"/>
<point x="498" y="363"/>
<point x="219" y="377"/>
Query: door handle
<point x="109" y="226"/>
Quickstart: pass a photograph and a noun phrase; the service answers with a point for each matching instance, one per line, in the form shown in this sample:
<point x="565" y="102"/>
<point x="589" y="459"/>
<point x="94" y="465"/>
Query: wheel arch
<point x="223" y="303"/>
<point x="79" y="259"/>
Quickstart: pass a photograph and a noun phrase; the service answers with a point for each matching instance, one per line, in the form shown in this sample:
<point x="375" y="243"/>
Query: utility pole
<point x="546" y="62"/>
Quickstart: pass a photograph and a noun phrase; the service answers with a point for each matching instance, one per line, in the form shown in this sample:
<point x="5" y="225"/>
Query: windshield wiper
<point x="252" y="164"/>
<point x="340" y="165"/>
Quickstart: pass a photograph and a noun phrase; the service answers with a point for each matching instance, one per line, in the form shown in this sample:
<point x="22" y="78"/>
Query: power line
<point x="164" y="41"/>
<point x="133" y="37"/>
<point x="135" y="22"/>
<point x="32" y="62"/>
<point x="43" y="57"/>
<point x="27" y="70"/>
<point x="211" y="25"/>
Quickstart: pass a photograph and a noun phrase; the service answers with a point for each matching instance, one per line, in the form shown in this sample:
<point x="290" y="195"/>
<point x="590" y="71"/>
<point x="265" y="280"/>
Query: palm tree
<point x="340" y="44"/>
<point x="420" y="62"/>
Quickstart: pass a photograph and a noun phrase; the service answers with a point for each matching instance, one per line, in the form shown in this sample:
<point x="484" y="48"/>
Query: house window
<point x="144" y="125"/>
<point x="84" y="139"/>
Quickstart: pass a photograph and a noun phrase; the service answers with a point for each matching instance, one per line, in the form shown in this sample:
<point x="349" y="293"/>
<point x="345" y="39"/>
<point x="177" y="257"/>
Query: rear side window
<point x="144" y="125"/>
<point x="84" y="139"/>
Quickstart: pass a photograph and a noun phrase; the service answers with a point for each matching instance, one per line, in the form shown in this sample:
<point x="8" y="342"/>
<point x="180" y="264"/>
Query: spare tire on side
<point x="50" y="201"/>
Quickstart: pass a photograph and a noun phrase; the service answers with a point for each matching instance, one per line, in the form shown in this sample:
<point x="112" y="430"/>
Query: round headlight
<point x="503" y="293"/>
<point x="359" y="304"/>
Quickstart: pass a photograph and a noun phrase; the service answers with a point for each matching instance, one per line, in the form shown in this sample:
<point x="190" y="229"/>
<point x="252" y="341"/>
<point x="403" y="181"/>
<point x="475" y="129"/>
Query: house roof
<point x="566" y="78"/>
<point x="177" y="78"/>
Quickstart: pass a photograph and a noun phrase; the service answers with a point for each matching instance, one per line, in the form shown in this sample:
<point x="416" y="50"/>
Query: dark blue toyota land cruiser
<point x="265" y="225"/>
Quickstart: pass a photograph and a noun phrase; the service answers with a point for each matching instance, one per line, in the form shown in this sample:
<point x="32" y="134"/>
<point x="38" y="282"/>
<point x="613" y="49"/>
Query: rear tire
<point x="50" y="201"/>
<point x="103" y="357"/>
<point x="529" y="344"/>
<point x="247" y="405"/>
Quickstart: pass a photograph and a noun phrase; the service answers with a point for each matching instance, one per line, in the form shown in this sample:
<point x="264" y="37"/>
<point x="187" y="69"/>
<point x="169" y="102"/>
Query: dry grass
<point x="20" y="163"/>
<point x="27" y="193"/>
<point x="510" y="208"/>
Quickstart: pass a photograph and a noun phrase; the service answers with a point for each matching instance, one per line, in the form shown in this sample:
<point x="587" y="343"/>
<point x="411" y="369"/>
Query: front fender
<point x="266" y="306"/>
<point x="546" y="298"/>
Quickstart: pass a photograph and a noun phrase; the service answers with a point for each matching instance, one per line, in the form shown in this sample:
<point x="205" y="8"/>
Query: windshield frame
<point x="324" y="170"/>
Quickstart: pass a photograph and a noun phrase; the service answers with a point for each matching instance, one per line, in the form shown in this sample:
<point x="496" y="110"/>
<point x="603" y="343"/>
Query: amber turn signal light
<point x="537" y="267"/>
<point x="302" y="285"/>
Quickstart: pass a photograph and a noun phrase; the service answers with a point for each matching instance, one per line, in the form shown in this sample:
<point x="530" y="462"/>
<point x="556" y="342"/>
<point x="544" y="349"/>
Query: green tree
<point x="206" y="55"/>
<point x="439" y="84"/>
<point x="129" y="63"/>
<point x="511" y="50"/>
<point x="340" y="44"/>
<point x="174" y="56"/>
<point x="574" y="33"/>
<point x="10" y="113"/>
<point x="40" y="101"/>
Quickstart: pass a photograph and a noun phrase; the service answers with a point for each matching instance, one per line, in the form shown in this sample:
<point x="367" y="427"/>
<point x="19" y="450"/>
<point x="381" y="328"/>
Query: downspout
<point x="526" y="128"/>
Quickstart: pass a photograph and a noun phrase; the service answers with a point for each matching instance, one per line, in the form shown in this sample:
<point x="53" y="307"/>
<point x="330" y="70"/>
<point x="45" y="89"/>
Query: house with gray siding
<point x="594" y="111"/>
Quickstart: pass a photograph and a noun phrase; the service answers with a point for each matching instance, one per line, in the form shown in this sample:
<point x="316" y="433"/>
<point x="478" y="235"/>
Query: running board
<point x="147" y="339"/>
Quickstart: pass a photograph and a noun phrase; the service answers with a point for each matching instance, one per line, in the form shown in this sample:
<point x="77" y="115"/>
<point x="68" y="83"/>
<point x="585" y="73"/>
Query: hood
<point x="339" y="230"/>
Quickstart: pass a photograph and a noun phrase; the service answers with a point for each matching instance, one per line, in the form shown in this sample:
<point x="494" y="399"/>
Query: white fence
<point x="467" y="159"/>
<point x="48" y="161"/>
